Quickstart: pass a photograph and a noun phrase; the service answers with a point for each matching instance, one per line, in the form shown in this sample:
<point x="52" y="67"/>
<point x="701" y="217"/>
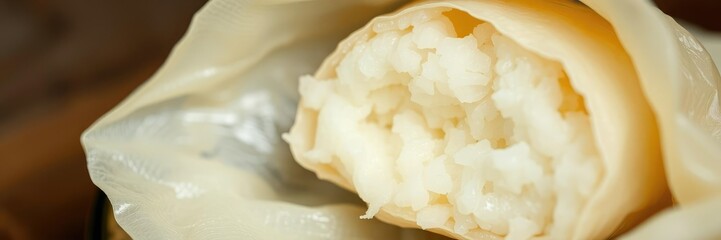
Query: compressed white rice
<point x="466" y="130"/>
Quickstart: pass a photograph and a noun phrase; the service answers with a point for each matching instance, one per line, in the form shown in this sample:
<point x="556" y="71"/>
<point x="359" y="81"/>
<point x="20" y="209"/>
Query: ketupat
<point x="237" y="49"/>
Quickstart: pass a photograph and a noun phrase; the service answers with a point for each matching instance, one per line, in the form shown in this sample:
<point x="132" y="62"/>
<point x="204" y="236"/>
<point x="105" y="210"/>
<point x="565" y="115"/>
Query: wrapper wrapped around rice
<point x="478" y="119"/>
<point x="486" y="119"/>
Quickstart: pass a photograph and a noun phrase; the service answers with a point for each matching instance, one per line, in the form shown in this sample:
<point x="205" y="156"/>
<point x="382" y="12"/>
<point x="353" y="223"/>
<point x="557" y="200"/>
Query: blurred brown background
<point x="65" y="63"/>
<point x="62" y="65"/>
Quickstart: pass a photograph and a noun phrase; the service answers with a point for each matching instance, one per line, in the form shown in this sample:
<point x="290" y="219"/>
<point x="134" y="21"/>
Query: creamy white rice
<point x="461" y="126"/>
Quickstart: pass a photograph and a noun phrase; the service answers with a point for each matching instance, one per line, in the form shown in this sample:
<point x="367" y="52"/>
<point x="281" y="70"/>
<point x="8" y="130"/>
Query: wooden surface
<point x="65" y="63"/>
<point x="45" y="184"/>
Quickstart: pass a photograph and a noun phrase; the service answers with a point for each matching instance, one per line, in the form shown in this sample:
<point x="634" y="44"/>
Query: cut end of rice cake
<point x="443" y="119"/>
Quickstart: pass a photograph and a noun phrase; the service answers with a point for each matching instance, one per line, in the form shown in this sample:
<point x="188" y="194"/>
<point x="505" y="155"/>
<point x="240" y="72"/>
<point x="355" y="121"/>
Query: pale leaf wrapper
<point x="180" y="159"/>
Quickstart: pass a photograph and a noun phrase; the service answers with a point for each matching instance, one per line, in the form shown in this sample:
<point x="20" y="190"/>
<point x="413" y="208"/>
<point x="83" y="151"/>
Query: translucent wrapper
<point x="196" y="151"/>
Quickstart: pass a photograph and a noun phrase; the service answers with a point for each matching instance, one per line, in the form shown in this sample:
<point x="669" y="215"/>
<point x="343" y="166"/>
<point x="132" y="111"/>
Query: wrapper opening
<point x="439" y="115"/>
